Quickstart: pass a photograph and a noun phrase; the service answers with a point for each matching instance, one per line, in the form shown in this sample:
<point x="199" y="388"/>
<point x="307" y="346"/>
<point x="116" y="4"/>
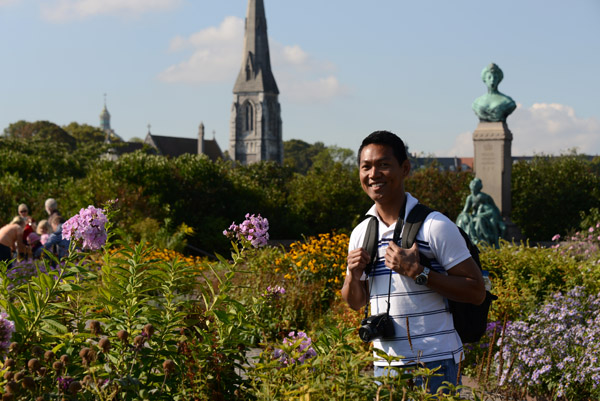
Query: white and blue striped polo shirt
<point x="420" y="309"/>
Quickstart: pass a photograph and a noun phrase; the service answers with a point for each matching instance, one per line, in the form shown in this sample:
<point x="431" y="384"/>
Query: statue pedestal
<point x="493" y="165"/>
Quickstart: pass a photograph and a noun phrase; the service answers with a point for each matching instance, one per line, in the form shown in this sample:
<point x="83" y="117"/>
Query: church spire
<point x="255" y="74"/>
<point x="105" y="117"/>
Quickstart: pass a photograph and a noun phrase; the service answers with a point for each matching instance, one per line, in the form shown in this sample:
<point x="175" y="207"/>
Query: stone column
<point x="493" y="162"/>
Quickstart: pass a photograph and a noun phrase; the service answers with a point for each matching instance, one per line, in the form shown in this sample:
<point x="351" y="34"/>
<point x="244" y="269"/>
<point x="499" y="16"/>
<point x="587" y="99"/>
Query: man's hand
<point x="354" y="291"/>
<point x="357" y="262"/>
<point x="403" y="261"/>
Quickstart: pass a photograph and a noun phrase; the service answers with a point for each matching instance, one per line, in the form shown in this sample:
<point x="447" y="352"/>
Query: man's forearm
<point x="354" y="292"/>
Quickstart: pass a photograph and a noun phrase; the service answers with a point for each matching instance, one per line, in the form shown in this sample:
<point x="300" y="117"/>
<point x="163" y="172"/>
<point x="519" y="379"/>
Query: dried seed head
<point x="74" y="387"/>
<point x="65" y="359"/>
<point x="37" y="350"/>
<point x="95" y="327"/>
<point x="87" y="380"/>
<point x="92" y="355"/>
<point x="19" y="376"/>
<point x="34" y="365"/>
<point x="42" y="371"/>
<point x="13" y="347"/>
<point x="7" y="397"/>
<point x="84" y="352"/>
<point x="9" y="363"/>
<point x="8" y="376"/>
<point x="149" y="329"/>
<point x="123" y="335"/>
<point x="40" y="398"/>
<point x="58" y="366"/>
<point x="139" y="341"/>
<point x="168" y="366"/>
<point x="11" y="386"/>
<point x="28" y="383"/>
<point x="49" y="356"/>
<point x="104" y="345"/>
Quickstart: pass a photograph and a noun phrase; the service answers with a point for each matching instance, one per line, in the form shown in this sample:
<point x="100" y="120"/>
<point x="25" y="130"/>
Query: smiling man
<point x="423" y="327"/>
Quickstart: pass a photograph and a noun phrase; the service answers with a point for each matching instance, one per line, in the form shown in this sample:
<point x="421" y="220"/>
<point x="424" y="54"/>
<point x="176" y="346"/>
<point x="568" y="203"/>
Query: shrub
<point x="553" y="352"/>
<point x="550" y="193"/>
<point x="444" y="191"/>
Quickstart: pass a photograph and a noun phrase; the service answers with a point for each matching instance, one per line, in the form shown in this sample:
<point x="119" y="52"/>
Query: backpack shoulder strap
<point x="413" y="224"/>
<point x="370" y="241"/>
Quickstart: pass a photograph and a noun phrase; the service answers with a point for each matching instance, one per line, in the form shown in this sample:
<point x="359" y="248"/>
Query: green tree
<point x="549" y="194"/>
<point x="299" y="155"/>
<point x="42" y="130"/>
<point x="85" y="132"/>
<point x="444" y="191"/>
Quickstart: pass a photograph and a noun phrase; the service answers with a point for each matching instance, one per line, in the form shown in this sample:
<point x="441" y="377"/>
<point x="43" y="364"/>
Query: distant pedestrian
<point x="56" y="244"/>
<point x="29" y="222"/>
<point x="11" y="239"/>
<point x="51" y="207"/>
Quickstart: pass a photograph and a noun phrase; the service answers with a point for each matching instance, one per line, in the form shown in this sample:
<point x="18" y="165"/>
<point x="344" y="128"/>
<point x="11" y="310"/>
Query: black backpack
<point x="470" y="321"/>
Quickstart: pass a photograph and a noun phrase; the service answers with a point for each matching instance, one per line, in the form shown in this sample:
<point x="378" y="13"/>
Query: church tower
<point x="255" y="131"/>
<point x="105" y="118"/>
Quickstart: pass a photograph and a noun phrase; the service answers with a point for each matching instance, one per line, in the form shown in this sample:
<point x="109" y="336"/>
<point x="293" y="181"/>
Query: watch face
<point x="421" y="279"/>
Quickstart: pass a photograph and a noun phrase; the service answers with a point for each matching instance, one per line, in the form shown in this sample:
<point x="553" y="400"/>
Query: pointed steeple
<point x="105" y="117"/>
<point x="255" y="74"/>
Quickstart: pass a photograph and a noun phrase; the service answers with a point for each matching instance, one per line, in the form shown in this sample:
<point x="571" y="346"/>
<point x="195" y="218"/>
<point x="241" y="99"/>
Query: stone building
<point x="174" y="146"/>
<point x="255" y="127"/>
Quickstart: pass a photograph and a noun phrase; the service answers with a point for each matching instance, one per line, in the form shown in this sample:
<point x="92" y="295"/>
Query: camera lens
<point x="366" y="333"/>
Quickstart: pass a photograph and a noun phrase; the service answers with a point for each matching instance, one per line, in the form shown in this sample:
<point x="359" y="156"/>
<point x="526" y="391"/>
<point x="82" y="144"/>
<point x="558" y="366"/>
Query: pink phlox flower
<point x="88" y="226"/>
<point x="591" y="229"/>
<point x="556" y="237"/>
<point x="254" y="229"/>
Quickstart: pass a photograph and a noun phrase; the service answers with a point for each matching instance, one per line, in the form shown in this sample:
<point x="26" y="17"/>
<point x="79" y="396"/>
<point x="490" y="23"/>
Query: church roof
<point x="175" y="146"/>
<point x="255" y="74"/>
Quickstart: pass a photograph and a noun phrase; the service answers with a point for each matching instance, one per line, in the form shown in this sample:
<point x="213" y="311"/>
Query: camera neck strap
<point x="373" y="231"/>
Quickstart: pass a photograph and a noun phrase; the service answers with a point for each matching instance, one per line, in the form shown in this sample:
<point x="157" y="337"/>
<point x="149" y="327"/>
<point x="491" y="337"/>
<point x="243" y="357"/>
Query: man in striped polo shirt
<point x="423" y="327"/>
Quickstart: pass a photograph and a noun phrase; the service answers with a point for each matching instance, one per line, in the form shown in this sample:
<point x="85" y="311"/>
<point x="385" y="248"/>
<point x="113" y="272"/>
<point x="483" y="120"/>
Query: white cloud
<point x="548" y="128"/>
<point x="217" y="56"/>
<point x="64" y="10"/>
<point x="462" y="147"/>
<point x="553" y="129"/>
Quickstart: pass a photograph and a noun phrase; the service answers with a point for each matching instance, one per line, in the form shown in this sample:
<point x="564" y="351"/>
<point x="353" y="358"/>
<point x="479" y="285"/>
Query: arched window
<point x="249" y="117"/>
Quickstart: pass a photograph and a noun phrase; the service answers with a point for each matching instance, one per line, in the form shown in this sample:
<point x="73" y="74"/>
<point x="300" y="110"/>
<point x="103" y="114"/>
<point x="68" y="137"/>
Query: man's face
<point x="381" y="175"/>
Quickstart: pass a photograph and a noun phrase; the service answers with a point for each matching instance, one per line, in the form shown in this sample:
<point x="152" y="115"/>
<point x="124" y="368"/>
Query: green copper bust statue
<point x="493" y="106"/>
<point x="481" y="218"/>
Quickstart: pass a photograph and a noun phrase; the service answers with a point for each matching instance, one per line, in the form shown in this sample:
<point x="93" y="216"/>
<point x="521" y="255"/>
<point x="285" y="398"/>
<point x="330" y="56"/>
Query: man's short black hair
<point x="386" y="138"/>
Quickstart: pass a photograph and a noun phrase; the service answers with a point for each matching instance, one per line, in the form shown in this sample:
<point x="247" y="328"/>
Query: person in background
<point x="44" y="229"/>
<point x="56" y="244"/>
<point x="51" y="207"/>
<point x="29" y="222"/>
<point x="11" y="239"/>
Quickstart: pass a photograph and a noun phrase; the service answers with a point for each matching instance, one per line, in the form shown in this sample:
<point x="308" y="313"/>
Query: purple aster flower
<point x="274" y="292"/>
<point x="297" y="349"/>
<point x="7" y="328"/>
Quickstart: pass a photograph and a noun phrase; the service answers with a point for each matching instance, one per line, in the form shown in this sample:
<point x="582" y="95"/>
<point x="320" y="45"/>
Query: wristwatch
<point x="421" y="279"/>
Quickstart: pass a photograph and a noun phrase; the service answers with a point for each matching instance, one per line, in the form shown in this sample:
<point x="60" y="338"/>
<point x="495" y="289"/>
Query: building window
<point x="249" y="117"/>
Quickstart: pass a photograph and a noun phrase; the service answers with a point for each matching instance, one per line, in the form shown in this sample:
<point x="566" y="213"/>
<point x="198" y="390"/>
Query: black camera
<point x="376" y="326"/>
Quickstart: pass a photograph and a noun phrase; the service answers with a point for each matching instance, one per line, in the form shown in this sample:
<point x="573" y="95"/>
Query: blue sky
<point x="344" y="68"/>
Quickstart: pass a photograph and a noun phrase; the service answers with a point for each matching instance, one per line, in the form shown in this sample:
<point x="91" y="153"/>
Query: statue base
<point x="513" y="232"/>
<point x="493" y="161"/>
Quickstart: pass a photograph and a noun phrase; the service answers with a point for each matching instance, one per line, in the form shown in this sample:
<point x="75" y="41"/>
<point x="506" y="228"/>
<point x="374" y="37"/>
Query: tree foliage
<point x="444" y="191"/>
<point x="549" y="194"/>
